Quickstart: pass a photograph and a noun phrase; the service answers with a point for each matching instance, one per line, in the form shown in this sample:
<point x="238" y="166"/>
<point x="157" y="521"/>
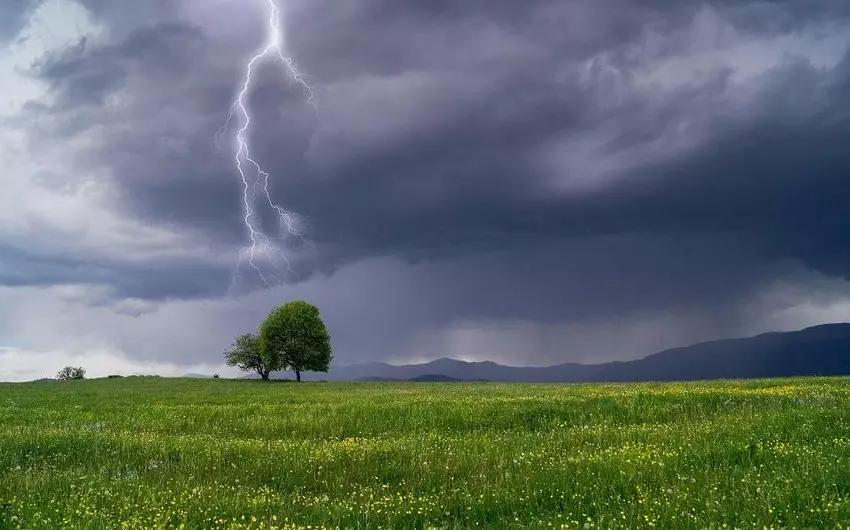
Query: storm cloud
<point x="531" y="182"/>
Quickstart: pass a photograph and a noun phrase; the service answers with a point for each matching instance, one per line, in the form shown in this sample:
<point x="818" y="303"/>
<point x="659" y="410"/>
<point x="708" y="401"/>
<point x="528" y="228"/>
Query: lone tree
<point x="71" y="373"/>
<point x="296" y="334"/>
<point x="247" y="355"/>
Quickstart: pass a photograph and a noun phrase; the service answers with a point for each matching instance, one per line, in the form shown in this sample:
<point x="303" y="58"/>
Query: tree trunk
<point x="298" y="375"/>
<point x="264" y="375"/>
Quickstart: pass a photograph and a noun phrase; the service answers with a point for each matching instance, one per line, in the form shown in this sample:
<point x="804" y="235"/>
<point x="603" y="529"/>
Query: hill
<point x="819" y="350"/>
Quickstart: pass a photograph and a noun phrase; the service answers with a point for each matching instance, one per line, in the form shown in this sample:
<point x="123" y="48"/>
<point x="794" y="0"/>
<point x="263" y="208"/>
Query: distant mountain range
<point x="819" y="350"/>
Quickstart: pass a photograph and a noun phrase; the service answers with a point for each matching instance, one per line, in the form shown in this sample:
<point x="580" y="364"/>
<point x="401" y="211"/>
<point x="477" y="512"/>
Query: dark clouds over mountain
<point x="572" y="176"/>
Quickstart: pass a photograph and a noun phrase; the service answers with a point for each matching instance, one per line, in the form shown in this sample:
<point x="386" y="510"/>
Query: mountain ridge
<point x="816" y="350"/>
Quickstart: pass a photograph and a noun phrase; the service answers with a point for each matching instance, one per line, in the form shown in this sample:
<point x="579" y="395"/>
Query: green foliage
<point x="246" y="353"/>
<point x="71" y="373"/>
<point x="140" y="453"/>
<point x="296" y="334"/>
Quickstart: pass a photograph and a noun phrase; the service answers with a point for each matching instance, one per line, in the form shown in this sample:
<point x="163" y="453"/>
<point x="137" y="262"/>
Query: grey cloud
<point x="82" y="79"/>
<point x="13" y="15"/>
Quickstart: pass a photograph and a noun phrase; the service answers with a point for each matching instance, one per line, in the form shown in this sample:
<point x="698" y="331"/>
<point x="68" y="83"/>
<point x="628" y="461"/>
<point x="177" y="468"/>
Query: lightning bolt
<point x="248" y="168"/>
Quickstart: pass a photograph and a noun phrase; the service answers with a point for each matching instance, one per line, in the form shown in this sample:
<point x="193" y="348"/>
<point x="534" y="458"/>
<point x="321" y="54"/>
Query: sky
<point x="530" y="182"/>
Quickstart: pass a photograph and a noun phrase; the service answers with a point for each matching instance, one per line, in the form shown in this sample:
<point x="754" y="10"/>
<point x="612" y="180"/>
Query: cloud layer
<point x="531" y="182"/>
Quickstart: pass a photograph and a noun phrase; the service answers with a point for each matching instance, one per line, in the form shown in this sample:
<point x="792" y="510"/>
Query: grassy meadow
<point x="170" y="453"/>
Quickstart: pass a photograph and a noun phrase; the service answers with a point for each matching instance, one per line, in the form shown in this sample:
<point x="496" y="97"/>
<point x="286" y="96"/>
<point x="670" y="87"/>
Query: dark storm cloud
<point x="165" y="279"/>
<point x="433" y="119"/>
<point x="579" y="278"/>
<point x="779" y="180"/>
<point x="160" y="147"/>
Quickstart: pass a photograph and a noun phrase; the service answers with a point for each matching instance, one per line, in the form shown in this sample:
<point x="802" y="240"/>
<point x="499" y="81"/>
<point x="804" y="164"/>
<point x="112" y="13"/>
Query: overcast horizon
<point x="530" y="183"/>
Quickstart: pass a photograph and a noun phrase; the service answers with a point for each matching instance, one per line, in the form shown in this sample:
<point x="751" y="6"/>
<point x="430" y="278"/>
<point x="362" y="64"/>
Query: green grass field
<point x="160" y="453"/>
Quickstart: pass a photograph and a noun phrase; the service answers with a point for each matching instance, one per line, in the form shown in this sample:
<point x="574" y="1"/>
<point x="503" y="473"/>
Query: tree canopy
<point x="296" y="335"/>
<point x="71" y="373"/>
<point x="246" y="353"/>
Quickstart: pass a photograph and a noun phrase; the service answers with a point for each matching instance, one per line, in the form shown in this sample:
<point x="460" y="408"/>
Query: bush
<point x="71" y="373"/>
